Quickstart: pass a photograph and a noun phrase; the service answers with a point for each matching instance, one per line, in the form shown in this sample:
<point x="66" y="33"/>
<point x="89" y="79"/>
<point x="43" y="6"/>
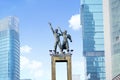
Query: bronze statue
<point x="57" y="38"/>
<point x="65" y="44"/>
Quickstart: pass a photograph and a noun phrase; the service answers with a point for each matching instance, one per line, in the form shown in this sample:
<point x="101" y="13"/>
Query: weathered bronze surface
<point x="65" y="44"/>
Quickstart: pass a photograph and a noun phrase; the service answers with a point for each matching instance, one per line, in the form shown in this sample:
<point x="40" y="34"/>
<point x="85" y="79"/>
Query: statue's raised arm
<point x="60" y="30"/>
<point x="51" y="27"/>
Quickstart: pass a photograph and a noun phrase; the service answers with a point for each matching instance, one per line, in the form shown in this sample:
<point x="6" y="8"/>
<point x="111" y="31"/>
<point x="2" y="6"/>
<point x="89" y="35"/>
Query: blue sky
<point x="36" y="38"/>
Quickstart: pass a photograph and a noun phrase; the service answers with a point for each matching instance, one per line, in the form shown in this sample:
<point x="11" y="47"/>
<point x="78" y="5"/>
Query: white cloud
<point x="23" y="62"/>
<point x="74" y="22"/>
<point x="31" y="68"/>
<point x="25" y="49"/>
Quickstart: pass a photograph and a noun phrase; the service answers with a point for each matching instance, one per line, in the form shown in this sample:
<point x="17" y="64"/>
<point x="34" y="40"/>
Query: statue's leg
<point x="67" y="46"/>
<point x="55" y="47"/>
<point x="60" y="47"/>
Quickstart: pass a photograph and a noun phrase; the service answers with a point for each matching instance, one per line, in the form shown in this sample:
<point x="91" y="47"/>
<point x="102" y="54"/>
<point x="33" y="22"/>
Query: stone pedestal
<point x="61" y="58"/>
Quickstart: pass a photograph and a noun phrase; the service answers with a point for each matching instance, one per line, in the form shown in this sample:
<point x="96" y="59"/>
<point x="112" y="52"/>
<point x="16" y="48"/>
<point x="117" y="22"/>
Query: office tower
<point x="112" y="38"/>
<point x="93" y="38"/>
<point x="9" y="49"/>
<point x="76" y="77"/>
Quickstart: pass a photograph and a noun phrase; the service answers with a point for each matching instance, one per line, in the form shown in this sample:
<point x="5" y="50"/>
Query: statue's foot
<point x="67" y="50"/>
<point x="71" y="50"/>
<point x="57" y="52"/>
<point x="62" y="52"/>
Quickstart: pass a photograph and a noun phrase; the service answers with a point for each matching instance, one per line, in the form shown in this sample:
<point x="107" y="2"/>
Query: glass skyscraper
<point x="112" y="38"/>
<point x="93" y="38"/>
<point x="9" y="49"/>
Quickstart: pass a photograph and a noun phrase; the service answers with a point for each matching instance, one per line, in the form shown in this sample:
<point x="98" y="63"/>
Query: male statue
<point x="65" y="44"/>
<point x="57" y="38"/>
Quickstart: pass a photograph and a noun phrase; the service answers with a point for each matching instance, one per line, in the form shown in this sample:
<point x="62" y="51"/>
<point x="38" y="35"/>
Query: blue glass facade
<point x="9" y="49"/>
<point x="93" y="38"/>
<point x="115" y="36"/>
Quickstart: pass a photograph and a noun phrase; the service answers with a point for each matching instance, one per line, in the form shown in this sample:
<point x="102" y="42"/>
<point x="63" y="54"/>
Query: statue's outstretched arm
<point x="60" y="30"/>
<point x="69" y="37"/>
<point x="51" y="27"/>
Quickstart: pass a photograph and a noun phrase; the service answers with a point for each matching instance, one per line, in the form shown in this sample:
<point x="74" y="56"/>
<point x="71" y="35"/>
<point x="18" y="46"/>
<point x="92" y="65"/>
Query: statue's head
<point x="56" y="30"/>
<point x="65" y="31"/>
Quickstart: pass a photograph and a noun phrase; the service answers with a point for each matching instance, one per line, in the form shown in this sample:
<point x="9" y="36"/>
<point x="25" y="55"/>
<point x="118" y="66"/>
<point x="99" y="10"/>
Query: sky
<point x="36" y="38"/>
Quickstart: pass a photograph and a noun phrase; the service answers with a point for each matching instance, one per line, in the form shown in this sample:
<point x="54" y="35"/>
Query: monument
<point x="64" y="54"/>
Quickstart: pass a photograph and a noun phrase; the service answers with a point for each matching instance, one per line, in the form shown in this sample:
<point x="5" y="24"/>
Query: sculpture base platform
<point x="61" y="58"/>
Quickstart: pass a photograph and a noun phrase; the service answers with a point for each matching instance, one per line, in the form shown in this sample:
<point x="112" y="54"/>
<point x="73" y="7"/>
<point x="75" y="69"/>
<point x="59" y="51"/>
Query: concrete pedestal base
<point x="61" y="58"/>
